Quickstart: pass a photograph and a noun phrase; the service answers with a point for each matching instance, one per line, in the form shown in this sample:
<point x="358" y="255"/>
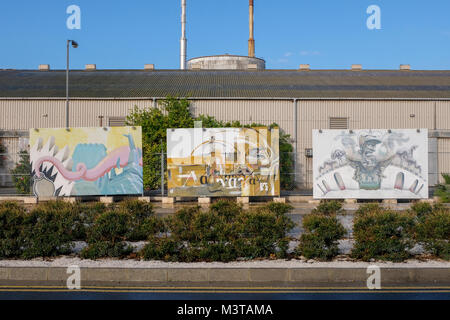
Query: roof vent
<point x="252" y="66"/>
<point x="304" y="67"/>
<point x="405" y="67"/>
<point x="91" y="67"/>
<point x="356" y="67"/>
<point x="149" y="67"/>
<point x="44" y="67"/>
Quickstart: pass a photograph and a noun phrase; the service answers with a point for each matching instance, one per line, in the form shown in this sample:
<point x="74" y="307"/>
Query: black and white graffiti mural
<point x="371" y="164"/>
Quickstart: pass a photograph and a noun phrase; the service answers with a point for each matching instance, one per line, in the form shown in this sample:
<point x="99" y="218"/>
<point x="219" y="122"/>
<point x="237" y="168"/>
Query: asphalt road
<point x="102" y="293"/>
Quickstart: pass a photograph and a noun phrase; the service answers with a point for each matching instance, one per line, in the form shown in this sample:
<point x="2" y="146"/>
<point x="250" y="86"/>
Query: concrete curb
<point x="210" y="277"/>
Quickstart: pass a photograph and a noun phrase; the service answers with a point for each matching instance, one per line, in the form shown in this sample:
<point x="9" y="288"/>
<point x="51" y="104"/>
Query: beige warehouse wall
<point x="22" y="114"/>
<point x="443" y="157"/>
<point x="249" y="111"/>
<point x="25" y="114"/>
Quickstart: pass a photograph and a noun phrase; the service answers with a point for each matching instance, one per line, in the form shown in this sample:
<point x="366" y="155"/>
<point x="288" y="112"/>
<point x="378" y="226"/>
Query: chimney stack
<point x="251" y="40"/>
<point x="183" y="40"/>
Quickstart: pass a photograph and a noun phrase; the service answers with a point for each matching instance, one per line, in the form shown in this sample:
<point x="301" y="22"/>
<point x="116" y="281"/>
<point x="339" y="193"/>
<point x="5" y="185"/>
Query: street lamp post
<point x="74" y="45"/>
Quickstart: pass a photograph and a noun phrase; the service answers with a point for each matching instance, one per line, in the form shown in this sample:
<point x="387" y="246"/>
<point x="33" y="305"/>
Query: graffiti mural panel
<point x="223" y="162"/>
<point x="370" y="164"/>
<point x="86" y="161"/>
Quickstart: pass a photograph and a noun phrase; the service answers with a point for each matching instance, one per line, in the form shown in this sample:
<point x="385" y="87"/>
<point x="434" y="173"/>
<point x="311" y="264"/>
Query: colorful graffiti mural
<point x="371" y="164"/>
<point x="86" y="161"/>
<point x="223" y="162"/>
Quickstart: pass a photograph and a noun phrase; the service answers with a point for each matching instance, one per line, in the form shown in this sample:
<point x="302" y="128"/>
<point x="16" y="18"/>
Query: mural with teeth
<point x="86" y="161"/>
<point x="370" y="164"/>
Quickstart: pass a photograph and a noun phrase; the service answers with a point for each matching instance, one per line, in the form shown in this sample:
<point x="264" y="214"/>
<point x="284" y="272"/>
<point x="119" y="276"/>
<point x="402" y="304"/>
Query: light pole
<point x="74" y="45"/>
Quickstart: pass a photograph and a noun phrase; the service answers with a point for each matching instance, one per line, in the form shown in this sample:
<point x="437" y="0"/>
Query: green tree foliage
<point x="2" y="154"/>
<point x="443" y="190"/>
<point x="21" y="173"/>
<point x="175" y="113"/>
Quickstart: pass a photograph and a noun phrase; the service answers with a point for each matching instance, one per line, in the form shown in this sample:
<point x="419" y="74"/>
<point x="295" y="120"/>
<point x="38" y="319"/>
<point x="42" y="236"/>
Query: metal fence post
<point x="162" y="169"/>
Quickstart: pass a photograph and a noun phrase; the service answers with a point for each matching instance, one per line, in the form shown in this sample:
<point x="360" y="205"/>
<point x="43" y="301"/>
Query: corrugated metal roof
<point x="227" y="84"/>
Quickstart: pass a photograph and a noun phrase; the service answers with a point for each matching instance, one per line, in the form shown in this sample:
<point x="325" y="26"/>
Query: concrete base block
<point x="300" y="199"/>
<point x="168" y="200"/>
<point x="145" y="199"/>
<point x="427" y="201"/>
<point x="204" y="200"/>
<point x="243" y="200"/>
<point x="390" y="201"/>
<point x="314" y="201"/>
<point x="106" y="199"/>
<point x="45" y="199"/>
<point x="279" y="200"/>
<point x="70" y="199"/>
<point x="350" y="201"/>
<point x="30" y="200"/>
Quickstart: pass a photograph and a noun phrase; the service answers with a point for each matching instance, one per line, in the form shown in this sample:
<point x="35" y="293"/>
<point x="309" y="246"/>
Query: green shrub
<point x="321" y="236"/>
<point x="223" y="233"/>
<point x="142" y="222"/>
<point x="446" y="177"/>
<point x="433" y="231"/>
<point x="162" y="248"/>
<point x="443" y="190"/>
<point x="227" y="209"/>
<point x="101" y="249"/>
<point x="3" y="155"/>
<point x="422" y="209"/>
<point x="21" y="174"/>
<point x="328" y="207"/>
<point x="84" y="216"/>
<point x="383" y="234"/>
<point x="106" y="237"/>
<point x="48" y="230"/>
<point x="368" y="208"/>
<point x="11" y="225"/>
<point x="279" y="208"/>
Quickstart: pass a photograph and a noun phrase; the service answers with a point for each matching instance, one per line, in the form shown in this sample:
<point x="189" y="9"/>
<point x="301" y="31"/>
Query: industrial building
<point x="231" y="87"/>
<point x="298" y="100"/>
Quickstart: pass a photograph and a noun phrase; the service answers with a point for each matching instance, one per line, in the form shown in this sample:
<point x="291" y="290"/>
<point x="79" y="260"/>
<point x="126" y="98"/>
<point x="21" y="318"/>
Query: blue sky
<point x="128" y="34"/>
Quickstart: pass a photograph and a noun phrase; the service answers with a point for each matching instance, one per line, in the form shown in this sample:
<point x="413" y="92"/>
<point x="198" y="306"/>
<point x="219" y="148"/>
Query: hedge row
<point x="225" y="232"/>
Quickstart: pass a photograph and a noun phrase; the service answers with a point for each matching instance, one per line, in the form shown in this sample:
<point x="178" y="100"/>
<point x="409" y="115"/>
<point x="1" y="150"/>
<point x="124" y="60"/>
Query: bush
<point x="142" y="222"/>
<point x="433" y="231"/>
<point x="3" y="155"/>
<point x="443" y="190"/>
<point x="223" y="233"/>
<point x="368" y="208"/>
<point x="383" y="234"/>
<point x="162" y="248"/>
<point x="11" y="225"/>
<point x="106" y="237"/>
<point x="279" y="208"/>
<point x="422" y="209"/>
<point x="48" y="230"/>
<point x="321" y="237"/>
<point x="328" y="207"/>
<point x="21" y="174"/>
<point x="84" y="217"/>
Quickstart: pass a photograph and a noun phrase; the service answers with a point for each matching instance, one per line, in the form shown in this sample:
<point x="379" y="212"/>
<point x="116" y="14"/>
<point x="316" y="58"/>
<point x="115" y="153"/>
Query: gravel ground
<point x="126" y="263"/>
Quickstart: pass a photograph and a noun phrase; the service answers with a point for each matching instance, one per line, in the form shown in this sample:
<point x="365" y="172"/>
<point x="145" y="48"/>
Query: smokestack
<point x="251" y="40"/>
<point x="183" y="40"/>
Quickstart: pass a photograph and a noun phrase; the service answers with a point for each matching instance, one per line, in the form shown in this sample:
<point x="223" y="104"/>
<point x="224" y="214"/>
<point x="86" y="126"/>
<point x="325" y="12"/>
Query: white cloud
<point x="309" y="53"/>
